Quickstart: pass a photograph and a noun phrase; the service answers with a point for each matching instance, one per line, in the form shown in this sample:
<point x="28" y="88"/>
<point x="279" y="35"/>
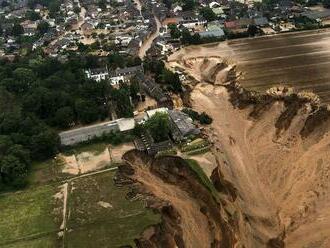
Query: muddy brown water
<point x="301" y="60"/>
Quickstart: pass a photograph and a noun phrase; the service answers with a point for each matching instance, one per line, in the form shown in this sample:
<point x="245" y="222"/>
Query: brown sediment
<point x="274" y="153"/>
<point x="191" y="216"/>
<point x="272" y="169"/>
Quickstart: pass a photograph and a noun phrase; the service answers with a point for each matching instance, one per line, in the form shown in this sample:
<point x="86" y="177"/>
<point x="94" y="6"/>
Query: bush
<point x="202" y="118"/>
<point x="205" y="119"/>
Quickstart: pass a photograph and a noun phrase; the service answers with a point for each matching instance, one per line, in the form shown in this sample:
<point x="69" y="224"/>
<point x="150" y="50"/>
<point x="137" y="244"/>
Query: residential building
<point x="181" y="125"/>
<point x="97" y="74"/>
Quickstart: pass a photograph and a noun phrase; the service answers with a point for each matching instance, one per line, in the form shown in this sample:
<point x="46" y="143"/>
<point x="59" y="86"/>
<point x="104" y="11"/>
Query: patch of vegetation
<point x="171" y="151"/>
<point x="198" y="151"/>
<point x="26" y="214"/>
<point x="163" y="76"/>
<point x="45" y="241"/>
<point x="195" y="145"/>
<point x="158" y="126"/>
<point x="203" y="118"/>
<point x="45" y="172"/>
<point x="114" y="224"/>
<point x="194" y="166"/>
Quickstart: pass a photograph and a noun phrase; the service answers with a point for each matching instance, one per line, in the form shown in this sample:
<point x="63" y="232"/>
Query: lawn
<point x="48" y="241"/>
<point x="45" y="172"/>
<point x="98" y="213"/>
<point x="27" y="214"/>
<point x="118" y="222"/>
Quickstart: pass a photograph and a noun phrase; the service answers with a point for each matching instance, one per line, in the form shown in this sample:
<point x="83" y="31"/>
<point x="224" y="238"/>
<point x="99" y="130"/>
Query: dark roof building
<point x="181" y="125"/>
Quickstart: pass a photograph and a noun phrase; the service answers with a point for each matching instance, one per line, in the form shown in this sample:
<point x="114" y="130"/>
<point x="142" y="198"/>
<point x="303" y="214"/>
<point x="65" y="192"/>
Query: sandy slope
<point x="282" y="181"/>
<point x="194" y="224"/>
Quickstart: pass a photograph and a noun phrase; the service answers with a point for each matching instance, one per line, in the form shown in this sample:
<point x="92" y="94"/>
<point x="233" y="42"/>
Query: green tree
<point x="188" y="5"/>
<point x="44" y="144"/>
<point x="17" y="30"/>
<point x="43" y="27"/>
<point x="186" y="36"/>
<point x="53" y="7"/>
<point x="102" y="4"/>
<point x="10" y="122"/>
<point x="32" y="15"/>
<point x="76" y="10"/>
<point x="116" y="60"/>
<point x="174" y="31"/>
<point x="13" y="171"/>
<point x="64" y="117"/>
<point x="205" y="119"/>
<point x="159" y="126"/>
<point x="172" y="79"/>
<point x="121" y="97"/>
<point x="87" y="111"/>
<point x="14" y="162"/>
<point x="208" y="14"/>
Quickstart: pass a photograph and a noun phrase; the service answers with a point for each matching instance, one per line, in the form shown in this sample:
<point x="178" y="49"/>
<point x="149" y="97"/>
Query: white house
<point x="97" y="74"/>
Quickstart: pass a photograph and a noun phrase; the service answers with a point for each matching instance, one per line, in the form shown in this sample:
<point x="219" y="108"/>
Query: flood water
<point x="301" y="60"/>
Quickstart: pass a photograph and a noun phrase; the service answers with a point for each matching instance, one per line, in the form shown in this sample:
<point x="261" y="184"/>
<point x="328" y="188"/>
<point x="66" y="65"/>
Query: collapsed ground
<point x="274" y="150"/>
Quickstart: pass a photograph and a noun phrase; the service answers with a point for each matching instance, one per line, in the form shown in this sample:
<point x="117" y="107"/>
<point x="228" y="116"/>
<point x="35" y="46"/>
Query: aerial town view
<point x="165" y="123"/>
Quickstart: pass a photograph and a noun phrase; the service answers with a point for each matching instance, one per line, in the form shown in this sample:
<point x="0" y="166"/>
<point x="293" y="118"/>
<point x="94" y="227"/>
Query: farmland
<point x="300" y="60"/>
<point x="59" y="209"/>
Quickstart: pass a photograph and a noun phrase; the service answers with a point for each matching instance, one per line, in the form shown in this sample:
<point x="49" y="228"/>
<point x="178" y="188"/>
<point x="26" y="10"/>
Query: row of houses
<point x="114" y="76"/>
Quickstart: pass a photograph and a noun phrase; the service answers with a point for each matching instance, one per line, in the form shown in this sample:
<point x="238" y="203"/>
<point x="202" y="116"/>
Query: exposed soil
<point x="191" y="217"/>
<point x="273" y="158"/>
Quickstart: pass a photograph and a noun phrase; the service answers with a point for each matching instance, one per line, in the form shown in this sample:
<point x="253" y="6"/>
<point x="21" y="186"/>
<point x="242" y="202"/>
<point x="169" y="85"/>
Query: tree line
<point x="41" y="95"/>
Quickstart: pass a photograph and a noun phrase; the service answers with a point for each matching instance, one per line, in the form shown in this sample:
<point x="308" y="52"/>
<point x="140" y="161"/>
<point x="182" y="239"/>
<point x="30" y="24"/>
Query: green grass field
<point x="98" y="213"/>
<point x="27" y="214"/>
<point x="93" y="225"/>
<point x="48" y="241"/>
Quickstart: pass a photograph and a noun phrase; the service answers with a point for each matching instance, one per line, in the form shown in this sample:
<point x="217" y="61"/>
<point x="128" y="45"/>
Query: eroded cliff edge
<point x="272" y="153"/>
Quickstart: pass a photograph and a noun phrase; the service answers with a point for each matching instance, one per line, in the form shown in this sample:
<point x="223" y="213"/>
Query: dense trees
<point x="208" y="14"/>
<point x="39" y="95"/>
<point x="188" y="5"/>
<point x="121" y="99"/>
<point x="14" y="163"/>
<point x="158" y="126"/>
<point x="43" y="27"/>
<point x="32" y="15"/>
<point x="203" y="118"/>
<point x="172" y="79"/>
<point x="36" y="95"/>
<point x="116" y="60"/>
<point x="174" y="31"/>
<point x="22" y="138"/>
<point x="17" y="29"/>
<point x="164" y="76"/>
